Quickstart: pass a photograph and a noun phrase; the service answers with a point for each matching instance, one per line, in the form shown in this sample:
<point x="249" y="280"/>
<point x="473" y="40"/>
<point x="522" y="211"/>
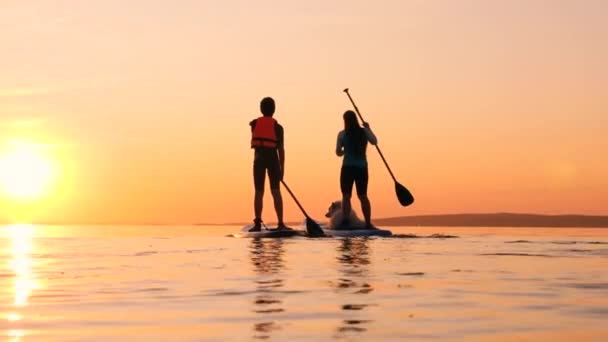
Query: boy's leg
<point x="278" y="205"/>
<point x="274" y="175"/>
<point x="259" y="175"/>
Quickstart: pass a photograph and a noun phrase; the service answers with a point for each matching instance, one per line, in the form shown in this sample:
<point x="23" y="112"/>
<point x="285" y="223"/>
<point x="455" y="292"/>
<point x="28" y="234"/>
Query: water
<point x="161" y="283"/>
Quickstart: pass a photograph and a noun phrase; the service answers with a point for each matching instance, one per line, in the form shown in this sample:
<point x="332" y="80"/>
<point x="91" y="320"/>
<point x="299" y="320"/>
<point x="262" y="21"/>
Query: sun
<point x="26" y="173"/>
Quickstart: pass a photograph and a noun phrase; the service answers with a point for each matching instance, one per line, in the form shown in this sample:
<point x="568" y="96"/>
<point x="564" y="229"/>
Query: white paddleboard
<point x="267" y="232"/>
<point x="357" y="232"/>
<point x="346" y="232"/>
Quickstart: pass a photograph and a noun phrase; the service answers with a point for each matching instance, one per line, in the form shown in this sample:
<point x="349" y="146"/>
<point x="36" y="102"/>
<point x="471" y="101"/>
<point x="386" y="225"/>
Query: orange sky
<point x="479" y="106"/>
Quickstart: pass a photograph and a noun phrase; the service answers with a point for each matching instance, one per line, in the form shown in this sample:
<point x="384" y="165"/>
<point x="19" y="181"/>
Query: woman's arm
<point x="370" y="135"/>
<point x="340" y="145"/>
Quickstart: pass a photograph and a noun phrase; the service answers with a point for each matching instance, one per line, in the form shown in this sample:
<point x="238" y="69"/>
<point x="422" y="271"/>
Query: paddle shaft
<point x="295" y="199"/>
<point x="377" y="148"/>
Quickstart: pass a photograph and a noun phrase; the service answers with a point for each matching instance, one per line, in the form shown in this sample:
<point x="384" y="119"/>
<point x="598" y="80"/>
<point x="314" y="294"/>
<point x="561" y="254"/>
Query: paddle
<point x="403" y="194"/>
<point x="312" y="227"/>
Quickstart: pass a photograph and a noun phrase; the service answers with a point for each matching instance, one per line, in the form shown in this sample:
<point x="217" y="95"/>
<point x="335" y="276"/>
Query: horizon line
<point x="143" y="223"/>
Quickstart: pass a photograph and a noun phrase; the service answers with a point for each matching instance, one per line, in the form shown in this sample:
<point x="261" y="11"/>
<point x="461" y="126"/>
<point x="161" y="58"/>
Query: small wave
<point x="411" y="274"/>
<point x="414" y="236"/>
<point x="601" y="312"/>
<point x="240" y="293"/>
<point x="351" y="329"/>
<point x="441" y="236"/>
<point x="152" y="289"/>
<point x="520" y="254"/>
<point x="405" y="236"/>
<point x="355" y="307"/>
<point x="266" y="327"/>
<point x="196" y="250"/>
<point x="230" y="293"/>
<point x="581" y="242"/>
<point x="268" y="311"/>
<point x="587" y="286"/>
<point x="265" y="301"/>
<point x="519" y="241"/>
<point x="364" y="290"/>
<point x="145" y="253"/>
<point x="272" y="281"/>
<point x="536" y="307"/>
<point x="357" y="321"/>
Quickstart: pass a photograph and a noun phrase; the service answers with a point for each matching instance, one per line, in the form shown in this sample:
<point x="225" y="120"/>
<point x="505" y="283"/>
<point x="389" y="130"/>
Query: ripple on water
<point x="355" y="307"/>
<point x="416" y="274"/>
<point x="520" y="254"/>
<point x="599" y="312"/>
<point x="414" y="236"/>
<point x="144" y="253"/>
<point x="585" y="286"/>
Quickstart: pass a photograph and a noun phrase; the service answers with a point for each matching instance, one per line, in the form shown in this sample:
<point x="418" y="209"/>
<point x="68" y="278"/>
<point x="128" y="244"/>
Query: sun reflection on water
<point x="21" y="238"/>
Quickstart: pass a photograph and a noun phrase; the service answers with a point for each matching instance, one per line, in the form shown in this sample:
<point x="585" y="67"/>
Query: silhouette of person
<point x="268" y="143"/>
<point x="352" y="145"/>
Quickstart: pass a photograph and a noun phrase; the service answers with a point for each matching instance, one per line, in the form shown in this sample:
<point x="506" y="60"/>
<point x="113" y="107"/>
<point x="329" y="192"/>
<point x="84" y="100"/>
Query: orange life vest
<point x="264" y="133"/>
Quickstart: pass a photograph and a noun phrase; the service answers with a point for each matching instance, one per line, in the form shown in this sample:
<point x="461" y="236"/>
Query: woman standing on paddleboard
<point x="352" y="145"/>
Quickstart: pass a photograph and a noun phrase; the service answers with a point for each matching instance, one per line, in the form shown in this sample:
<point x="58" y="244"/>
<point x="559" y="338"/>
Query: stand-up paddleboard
<point x="346" y="231"/>
<point x="268" y="232"/>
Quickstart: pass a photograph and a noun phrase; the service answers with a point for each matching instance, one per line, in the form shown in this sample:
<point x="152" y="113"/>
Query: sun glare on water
<point x="26" y="172"/>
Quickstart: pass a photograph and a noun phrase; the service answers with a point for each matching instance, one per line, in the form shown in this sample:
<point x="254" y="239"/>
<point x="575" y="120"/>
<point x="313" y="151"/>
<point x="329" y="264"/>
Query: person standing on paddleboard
<point x="269" y="156"/>
<point x="352" y="146"/>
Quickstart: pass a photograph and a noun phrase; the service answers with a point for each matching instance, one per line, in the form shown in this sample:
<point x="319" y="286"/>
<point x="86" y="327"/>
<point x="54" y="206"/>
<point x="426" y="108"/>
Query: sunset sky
<point x="141" y="108"/>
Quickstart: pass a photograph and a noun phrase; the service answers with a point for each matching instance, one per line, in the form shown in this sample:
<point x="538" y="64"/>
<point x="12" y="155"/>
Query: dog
<point x="337" y="221"/>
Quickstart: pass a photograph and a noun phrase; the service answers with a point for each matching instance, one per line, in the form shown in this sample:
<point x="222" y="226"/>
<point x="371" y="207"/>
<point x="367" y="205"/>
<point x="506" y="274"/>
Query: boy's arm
<point x="281" y="152"/>
<point x="281" y="149"/>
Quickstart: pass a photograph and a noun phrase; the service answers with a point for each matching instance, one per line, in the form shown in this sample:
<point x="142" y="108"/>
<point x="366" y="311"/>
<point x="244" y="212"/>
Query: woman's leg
<point x="346" y="186"/>
<point x="361" y="181"/>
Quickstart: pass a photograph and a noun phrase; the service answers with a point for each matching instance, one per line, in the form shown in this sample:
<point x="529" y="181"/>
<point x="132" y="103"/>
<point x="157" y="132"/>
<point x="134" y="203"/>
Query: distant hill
<point x="497" y="220"/>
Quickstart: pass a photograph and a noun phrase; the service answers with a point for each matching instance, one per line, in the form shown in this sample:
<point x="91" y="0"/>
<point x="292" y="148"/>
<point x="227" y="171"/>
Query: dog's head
<point x="334" y="207"/>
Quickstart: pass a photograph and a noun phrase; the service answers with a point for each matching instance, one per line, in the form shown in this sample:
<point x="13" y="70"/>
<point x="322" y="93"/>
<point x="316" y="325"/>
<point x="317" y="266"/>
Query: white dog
<point x="337" y="219"/>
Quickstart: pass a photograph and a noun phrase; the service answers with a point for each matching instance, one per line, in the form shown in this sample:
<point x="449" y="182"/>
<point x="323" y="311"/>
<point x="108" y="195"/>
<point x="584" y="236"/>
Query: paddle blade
<point x="404" y="195"/>
<point x="313" y="228"/>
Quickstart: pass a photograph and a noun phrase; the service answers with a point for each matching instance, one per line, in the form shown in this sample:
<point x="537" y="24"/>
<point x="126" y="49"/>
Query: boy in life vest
<point x="269" y="156"/>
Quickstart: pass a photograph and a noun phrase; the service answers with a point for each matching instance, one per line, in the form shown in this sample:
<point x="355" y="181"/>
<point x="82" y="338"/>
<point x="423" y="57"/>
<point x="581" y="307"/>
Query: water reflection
<point x="354" y="260"/>
<point x="20" y="263"/>
<point x="267" y="258"/>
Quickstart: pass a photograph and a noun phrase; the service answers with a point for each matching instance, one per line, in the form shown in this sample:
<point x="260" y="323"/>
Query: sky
<point x="143" y="106"/>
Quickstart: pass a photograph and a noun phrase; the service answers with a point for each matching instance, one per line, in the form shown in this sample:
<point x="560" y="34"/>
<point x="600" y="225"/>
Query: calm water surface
<point x="165" y="283"/>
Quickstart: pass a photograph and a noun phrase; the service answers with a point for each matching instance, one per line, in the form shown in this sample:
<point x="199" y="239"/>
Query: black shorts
<point x="353" y="174"/>
<point x="266" y="159"/>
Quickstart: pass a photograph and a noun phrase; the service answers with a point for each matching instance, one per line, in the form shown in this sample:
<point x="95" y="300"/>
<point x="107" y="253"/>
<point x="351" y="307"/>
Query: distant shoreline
<point x="489" y="220"/>
<point x="442" y="220"/>
<point x="498" y="220"/>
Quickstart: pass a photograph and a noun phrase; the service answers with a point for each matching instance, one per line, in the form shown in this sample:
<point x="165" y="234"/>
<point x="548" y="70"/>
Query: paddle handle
<point x="295" y="199"/>
<point x="377" y="148"/>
